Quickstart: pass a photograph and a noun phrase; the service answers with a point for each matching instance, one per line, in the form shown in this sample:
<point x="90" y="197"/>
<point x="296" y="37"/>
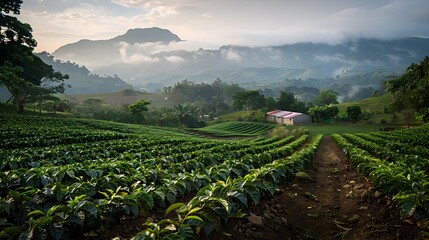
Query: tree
<point x="250" y="99"/>
<point x="286" y="101"/>
<point x="12" y="30"/>
<point x="354" y="112"/>
<point x="323" y="113"/>
<point x="326" y="97"/>
<point x="187" y="114"/>
<point x="138" y="108"/>
<point x="23" y="72"/>
<point x="410" y="91"/>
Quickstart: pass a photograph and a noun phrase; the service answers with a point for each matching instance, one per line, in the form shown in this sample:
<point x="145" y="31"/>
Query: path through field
<point x="330" y="201"/>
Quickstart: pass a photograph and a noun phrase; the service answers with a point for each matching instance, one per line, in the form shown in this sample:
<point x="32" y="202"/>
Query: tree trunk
<point x="19" y="107"/>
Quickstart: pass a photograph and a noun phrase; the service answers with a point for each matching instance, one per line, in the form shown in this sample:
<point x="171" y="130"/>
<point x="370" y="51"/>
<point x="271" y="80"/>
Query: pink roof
<point x="283" y="114"/>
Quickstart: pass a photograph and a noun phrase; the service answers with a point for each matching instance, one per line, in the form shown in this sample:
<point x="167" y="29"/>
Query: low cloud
<point x="135" y="57"/>
<point x="331" y="58"/>
<point x="231" y="55"/>
<point x="174" y="59"/>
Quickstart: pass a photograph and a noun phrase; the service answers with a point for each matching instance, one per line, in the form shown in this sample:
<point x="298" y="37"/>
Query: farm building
<point x="287" y="117"/>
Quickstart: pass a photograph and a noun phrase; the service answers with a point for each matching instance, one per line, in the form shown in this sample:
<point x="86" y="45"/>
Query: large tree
<point x="287" y="101"/>
<point x="354" y="113"/>
<point x="326" y="97"/>
<point x="250" y="99"/>
<point x="410" y="91"/>
<point x="138" y="108"/>
<point x="23" y="72"/>
<point x="325" y="113"/>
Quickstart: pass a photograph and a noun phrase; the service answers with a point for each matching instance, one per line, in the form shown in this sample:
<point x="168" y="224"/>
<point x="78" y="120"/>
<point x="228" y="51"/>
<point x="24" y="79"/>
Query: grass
<point x="242" y="116"/>
<point x="341" y="128"/>
<point x="237" y="129"/>
<point x="372" y="104"/>
<point x="158" y="100"/>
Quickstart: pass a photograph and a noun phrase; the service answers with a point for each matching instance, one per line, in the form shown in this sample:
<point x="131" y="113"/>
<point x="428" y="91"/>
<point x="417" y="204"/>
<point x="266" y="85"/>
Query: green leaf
<point x="134" y="209"/>
<point x="174" y="207"/>
<point x="408" y="209"/>
<point x="194" y="210"/>
<point x="186" y="232"/>
<point x="173" y="236"/>
<point x="239" y="196"/>
<point x="212" y="223"/>
<point x="71" y="174"/>
<point x="90" y="208"/>
<point x="35" y="213"/>
<point x="254" y="194"/>
<point x="194" y="220"/>
<point x="238" y="214"/>
<point x="76" y="218"/>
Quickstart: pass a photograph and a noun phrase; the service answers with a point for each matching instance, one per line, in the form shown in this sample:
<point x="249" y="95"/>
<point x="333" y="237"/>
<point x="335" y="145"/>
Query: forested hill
<point x="81" y="80"/>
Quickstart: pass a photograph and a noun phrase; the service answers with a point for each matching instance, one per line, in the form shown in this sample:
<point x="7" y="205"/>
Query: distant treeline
<point x="81" y="80"/>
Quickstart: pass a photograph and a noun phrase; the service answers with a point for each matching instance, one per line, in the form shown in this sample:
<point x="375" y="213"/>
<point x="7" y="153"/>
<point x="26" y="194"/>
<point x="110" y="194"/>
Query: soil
<point x="331" y="200"/>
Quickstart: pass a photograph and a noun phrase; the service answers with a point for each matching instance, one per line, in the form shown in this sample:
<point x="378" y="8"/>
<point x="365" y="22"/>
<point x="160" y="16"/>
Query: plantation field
<point x="397" y="163"/>
<point x="237" y="129"/>
<point x="75" y="178"/>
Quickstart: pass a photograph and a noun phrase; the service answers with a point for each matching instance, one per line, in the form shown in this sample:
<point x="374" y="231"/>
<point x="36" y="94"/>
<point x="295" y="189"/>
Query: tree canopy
<point x="287" y="101"/>
<point x="323" y="113"/>
<point x="139" y="107"/>
<point x="326" y="97"/>
<point x="354" y="113"/>
<point x="250" y="99"/>
<point x="23" y="71"/>
<point x="410" y="91"/>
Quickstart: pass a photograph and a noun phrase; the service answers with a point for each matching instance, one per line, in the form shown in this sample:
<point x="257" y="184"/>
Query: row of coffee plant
<point x="68" y="178"/>
<point x="397" y="163"/>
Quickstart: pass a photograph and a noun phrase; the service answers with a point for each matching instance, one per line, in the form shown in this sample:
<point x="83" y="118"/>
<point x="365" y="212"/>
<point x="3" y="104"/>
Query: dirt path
<point x="330" y="201"/>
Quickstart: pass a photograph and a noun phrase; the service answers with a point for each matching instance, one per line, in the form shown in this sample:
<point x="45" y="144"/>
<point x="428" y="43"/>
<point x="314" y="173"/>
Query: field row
<point x="72" y="188"/>
<point x="397" y="163"/>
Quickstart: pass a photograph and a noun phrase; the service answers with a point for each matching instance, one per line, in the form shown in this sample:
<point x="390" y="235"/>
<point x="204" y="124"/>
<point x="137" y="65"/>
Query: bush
<point x="280" y="131"/>
<point x="383" y="121"/>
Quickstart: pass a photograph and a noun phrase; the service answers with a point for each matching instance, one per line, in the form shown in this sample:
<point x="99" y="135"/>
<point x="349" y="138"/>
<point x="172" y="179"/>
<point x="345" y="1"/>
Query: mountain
<point x="81" y="80"/>
<point x="153" y="58"/>
<point x="105" y="52"/>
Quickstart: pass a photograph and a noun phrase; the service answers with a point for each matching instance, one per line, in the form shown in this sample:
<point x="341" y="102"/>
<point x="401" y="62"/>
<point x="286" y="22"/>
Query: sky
<point x="210" y="24"/>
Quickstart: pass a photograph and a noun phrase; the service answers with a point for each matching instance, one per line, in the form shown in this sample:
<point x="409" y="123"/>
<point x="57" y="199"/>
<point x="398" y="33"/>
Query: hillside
<point x="153" y="58"/>
<point x="158" y="100"/>
<point x="81" y="80"/>
<point x="97" y="53"/>
<point x="372" y="104"/>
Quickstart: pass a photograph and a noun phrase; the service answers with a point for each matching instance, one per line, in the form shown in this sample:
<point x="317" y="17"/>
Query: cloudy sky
<point x="213" y="23"/>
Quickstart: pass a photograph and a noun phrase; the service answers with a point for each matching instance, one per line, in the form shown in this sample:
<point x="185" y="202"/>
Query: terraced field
<point x="237" y="129"/>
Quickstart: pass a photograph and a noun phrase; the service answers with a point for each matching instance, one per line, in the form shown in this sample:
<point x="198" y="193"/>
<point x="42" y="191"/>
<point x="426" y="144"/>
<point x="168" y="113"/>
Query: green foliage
<point x="138" y="108"/>
<point x="325" y="113"/>
<point x="213" y="98"/>
<point x="326" y="97"/>
<point x="24" y="73"/>
<point x="237" y="129"/>
<point x="66" y="178"/>
<point x="13" y="31"/>
<point x="411" y="89"/>
<point x="397" y="164"/>
<point x="287" y="101"/>
<point x="354" y="112"/>
<point x="82" y="80"/>
<point x="250" y="100"/>
<point x="188" y="115"/>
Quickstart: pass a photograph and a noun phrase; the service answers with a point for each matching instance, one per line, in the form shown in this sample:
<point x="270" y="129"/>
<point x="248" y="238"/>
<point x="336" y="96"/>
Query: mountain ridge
<point x="161" y="61"/>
